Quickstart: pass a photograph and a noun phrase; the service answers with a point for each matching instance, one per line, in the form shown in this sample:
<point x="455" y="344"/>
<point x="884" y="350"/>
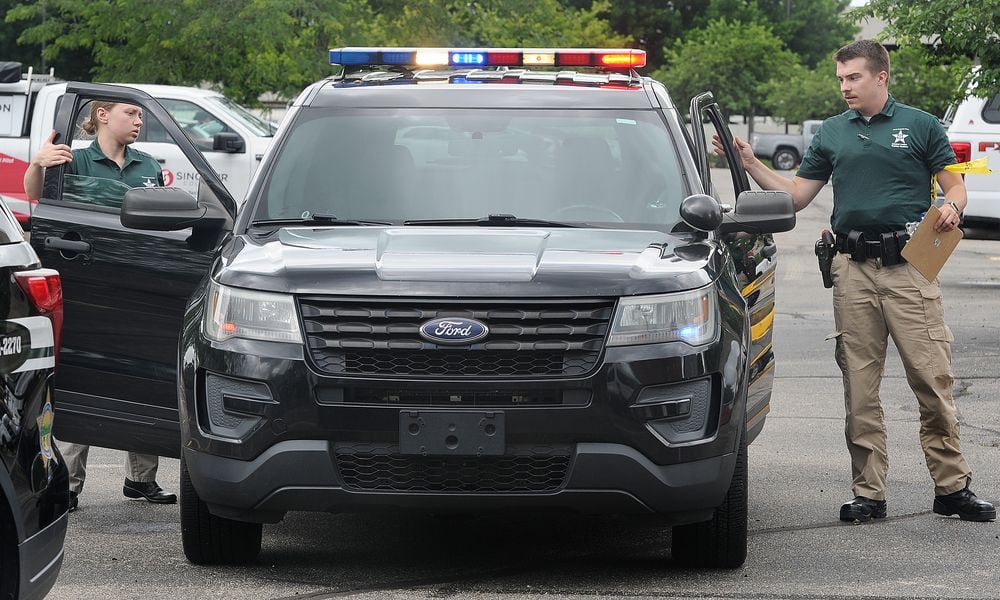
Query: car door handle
<point x="160" y="160"/>
<point x="67" y="245"/>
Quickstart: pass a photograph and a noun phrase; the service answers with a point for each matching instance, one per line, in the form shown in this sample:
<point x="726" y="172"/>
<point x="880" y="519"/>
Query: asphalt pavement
<point x="800" y="474"/>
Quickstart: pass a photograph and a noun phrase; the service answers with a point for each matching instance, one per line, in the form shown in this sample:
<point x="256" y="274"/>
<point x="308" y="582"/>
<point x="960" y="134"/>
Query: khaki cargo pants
<point x="871" y="302"/>
<point x="138" y="467"/>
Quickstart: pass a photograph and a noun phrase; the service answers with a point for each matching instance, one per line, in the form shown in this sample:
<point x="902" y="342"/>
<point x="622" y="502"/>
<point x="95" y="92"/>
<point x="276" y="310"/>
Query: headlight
<point x="690" y="317"/>
<point x="238" y="313"/>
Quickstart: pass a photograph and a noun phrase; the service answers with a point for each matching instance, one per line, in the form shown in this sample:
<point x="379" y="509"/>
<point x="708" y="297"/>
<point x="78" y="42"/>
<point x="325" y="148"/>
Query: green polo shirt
<point x="881" y="168"/>
<point x="138" y="170"/>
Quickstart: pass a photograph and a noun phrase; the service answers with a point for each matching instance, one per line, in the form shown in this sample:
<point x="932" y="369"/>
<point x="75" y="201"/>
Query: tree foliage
<point x="730" y="59"/>
<point x="803" y="93"/>
<point x="249" y="47"/>
<point x="813" y="29"/>
<point x="246" y="47"/>
<point x="917" y="78"/>
<point x="956" y="29"/>
<point x="500" y="23"/>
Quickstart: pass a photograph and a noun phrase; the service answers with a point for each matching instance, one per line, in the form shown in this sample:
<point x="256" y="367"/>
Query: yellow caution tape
<point x="973" y="167"/>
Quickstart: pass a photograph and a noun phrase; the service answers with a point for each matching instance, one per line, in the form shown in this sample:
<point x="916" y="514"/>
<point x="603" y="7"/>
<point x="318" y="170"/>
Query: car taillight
<point x="963" y="151"/>
<point x="44" y="288"/>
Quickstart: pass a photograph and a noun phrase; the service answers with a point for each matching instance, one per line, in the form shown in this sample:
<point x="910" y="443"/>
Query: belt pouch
<point x="856" y="245"/>
<point x="890" y="249"/>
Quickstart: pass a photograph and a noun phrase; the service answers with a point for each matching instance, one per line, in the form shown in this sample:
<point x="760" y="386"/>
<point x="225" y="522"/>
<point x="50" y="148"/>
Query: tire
<point x="721" y="542"/>
<point x="209" y="539"/>
<point x="785" y="159"/>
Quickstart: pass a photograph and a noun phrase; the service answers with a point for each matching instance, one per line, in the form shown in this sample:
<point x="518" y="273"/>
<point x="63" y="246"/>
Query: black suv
<point x="34" y="483"/>
<point x="457" y="282"/>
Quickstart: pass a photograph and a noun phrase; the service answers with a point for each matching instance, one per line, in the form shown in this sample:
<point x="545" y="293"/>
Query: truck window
<point x="250" y="120"/>
<point x="991" y="110"/>
<point x="198" y="124"/>
<point x="11" y="114"/>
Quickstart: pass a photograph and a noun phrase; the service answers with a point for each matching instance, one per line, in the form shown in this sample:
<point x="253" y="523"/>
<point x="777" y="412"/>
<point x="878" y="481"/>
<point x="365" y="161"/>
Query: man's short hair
<point x="875" y="55"/>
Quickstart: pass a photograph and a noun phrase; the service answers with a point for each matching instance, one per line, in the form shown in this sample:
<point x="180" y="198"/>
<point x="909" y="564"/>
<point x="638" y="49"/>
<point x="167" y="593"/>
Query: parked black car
<point x="451" y="287"/>
<point x="34" y="484"/>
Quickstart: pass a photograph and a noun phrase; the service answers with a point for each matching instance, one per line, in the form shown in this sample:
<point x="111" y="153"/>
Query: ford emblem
<point x="453" y="330"/>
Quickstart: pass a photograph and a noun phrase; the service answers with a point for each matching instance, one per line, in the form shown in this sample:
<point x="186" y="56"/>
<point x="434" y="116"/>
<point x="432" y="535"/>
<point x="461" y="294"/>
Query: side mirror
<point x="701" y="212"/>
<point x="227" y="141"/>
<point x="760" y="211"/>
<point x="168" y="209"/>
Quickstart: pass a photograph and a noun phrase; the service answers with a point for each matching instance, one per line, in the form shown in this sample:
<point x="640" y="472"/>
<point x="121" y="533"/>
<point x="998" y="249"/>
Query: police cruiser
<point x="463" y="279"/>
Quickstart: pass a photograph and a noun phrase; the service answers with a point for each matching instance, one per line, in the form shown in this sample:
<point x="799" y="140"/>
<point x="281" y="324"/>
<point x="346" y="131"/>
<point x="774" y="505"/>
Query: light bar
<point x="609" y="59"/>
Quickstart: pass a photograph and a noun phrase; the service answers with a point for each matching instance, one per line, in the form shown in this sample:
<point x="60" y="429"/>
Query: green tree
<point x="803" y="94"/>
<point x="812" y="29"/>
<point x="498" y="23"/>
<point x="918" y="79"/>
<point x="246" y="47"/>
<point x="652" y="25"/>
<point x="954" y="28"/>
<point x="732" y="60"/>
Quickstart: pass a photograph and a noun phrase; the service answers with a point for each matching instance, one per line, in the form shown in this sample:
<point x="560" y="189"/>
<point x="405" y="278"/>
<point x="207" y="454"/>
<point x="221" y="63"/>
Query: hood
<point x="469" y="261"/>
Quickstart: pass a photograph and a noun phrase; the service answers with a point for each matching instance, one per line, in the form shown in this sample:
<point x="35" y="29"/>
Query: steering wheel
<point x="565" y="213"/>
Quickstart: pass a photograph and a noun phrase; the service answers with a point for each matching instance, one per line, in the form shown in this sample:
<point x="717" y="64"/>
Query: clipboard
<point x="927" y="249"/>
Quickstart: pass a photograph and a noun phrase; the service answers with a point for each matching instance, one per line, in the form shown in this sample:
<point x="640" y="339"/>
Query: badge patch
<point x="899" y="138"/>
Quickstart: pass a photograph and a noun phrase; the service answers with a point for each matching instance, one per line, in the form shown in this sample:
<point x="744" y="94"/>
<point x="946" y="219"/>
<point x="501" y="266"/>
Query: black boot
<point x="964" y="504"/>
<point x="148" y="490"/>
<point x="862" y="510"/>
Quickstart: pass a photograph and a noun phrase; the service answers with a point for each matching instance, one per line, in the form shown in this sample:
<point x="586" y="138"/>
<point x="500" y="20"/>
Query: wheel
<point x="209" y="539"/>
<point x="785" y="159"/>
<point x="721" y="542"/>
<point x="585" y="208"/>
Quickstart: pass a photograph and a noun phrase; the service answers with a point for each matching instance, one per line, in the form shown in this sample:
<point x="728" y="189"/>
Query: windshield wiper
<point x="491" y="221"/>
<point x="316" y="219"/>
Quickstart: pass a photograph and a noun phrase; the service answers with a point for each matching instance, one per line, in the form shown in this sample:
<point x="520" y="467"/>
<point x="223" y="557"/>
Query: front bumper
<point x="605" y="478"/>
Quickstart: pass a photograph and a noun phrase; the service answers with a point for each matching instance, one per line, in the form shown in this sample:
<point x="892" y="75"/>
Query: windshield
<point x="583" y="166"/>
<point x="253" y="122"/>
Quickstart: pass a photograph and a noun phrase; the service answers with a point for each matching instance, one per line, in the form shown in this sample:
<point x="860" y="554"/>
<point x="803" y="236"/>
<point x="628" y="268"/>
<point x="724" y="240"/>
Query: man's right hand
<point x="742" y="148"/>
<point x="51" y="154"/>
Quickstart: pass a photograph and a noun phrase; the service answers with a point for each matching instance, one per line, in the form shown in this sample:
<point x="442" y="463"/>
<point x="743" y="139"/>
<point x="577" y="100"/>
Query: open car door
<point x="125" y="292"/>
<point x="754" y="255"/>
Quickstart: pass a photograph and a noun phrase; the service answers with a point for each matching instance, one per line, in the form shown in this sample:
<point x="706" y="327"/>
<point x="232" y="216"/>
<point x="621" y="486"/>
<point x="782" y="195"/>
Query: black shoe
<point x="964" y="504"/>
<point x="862" y="510"/>
<point x="148" y="490"/>
<point x="74" y="501"/>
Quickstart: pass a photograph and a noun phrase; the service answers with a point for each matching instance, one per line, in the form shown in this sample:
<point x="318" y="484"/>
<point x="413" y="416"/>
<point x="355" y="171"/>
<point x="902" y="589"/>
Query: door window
<point x="93" y="191"/>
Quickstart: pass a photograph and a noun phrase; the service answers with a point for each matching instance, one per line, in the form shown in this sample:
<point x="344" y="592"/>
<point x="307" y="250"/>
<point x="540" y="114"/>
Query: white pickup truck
<point x="231" y="138"/>
<point x="784" y="150"/>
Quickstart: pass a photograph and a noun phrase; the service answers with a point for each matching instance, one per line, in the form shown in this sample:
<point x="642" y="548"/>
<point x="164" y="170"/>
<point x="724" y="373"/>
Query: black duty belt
<point x="883" y="247"/>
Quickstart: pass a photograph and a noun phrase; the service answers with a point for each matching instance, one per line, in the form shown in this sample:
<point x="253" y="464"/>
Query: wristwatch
<point x="955" y="208"/>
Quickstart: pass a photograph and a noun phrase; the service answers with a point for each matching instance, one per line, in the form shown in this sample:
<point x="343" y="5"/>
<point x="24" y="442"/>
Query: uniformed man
<point x="109" y="157"/>
<point x="881" y="155"/>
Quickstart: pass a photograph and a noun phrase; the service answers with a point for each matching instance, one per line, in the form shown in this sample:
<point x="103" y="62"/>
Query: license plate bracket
<point x="441" y="433"/>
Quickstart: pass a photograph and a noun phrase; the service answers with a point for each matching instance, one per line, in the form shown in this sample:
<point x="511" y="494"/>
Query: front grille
<point x="380" y="467"/>
<point x="557" y="338"/>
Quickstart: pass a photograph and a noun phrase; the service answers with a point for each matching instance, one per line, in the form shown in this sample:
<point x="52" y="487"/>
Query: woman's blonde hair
<point x="89" y="125"/>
